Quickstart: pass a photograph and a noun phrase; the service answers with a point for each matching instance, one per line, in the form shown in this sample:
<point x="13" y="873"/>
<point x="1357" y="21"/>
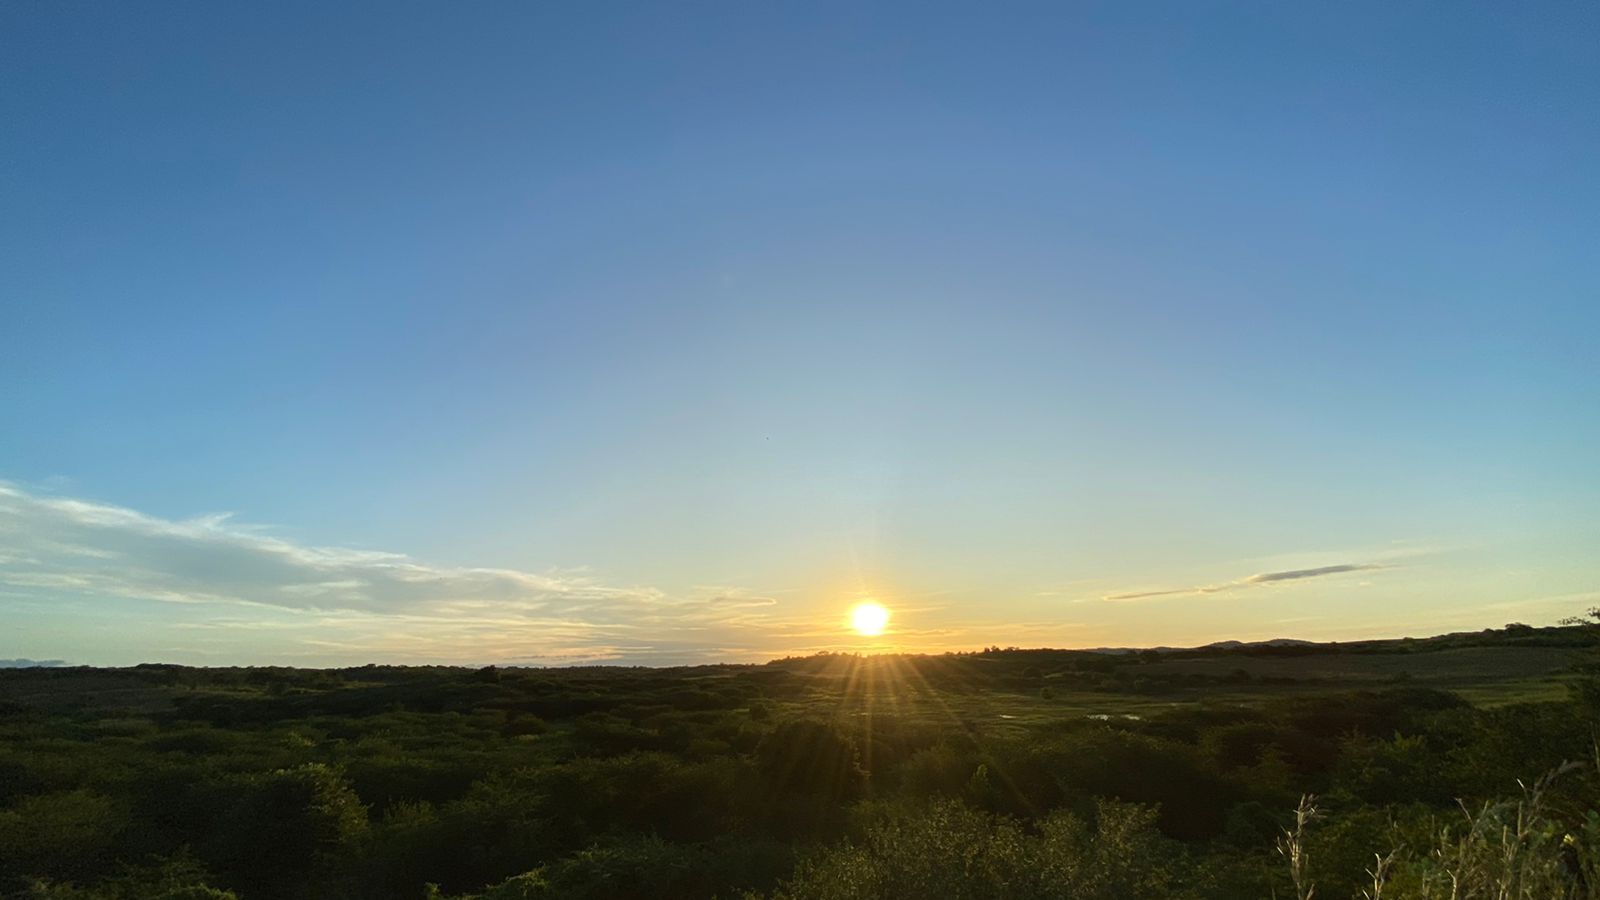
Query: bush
<point x="953" y="852"/>
<point x="288" y="824"/>
<point x="811" y="758"/>
<point x="65" y="835"/>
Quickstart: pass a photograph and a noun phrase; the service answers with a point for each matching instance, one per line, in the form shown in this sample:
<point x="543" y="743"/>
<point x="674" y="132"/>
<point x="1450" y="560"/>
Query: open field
<point x="1032" y="685"/>
<point x="1446" y="668"/>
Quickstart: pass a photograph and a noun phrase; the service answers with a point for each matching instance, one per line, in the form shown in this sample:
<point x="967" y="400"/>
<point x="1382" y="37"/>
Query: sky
<point x="662" y="333"/>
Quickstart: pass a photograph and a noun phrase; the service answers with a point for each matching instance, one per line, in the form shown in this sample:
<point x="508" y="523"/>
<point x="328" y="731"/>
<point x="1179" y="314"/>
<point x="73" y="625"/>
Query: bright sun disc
<point x="869" y="618"/>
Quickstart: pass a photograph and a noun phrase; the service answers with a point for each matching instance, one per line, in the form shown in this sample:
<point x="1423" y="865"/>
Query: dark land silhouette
<point x="1391" y="768"/>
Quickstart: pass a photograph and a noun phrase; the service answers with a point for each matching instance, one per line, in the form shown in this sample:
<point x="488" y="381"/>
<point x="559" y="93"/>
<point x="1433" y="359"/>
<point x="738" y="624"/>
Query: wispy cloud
<point x="1259" y="578"/>
<point x="1318" y="572"/>
<point x="357" y="602"/>
<point x="97" y="549"/>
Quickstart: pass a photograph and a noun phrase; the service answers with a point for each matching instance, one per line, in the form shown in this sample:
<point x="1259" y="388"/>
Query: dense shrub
<point x="956" y="853"/>
<point x="291" y="832"/>
<point x="373" y="783"/>
<point x="811" y="758"/>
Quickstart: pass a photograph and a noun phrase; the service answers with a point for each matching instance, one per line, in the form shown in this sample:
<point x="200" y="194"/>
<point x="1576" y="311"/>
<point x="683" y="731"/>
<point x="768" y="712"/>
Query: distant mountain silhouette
<point x="1216" y="645"/>
<point x="1274" y="642"/>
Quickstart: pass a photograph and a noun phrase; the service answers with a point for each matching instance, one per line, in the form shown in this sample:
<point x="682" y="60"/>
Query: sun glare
<point x="869" y="618"/>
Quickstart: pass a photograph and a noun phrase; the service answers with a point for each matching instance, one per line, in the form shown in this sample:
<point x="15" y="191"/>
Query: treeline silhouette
<point x="831" y="776"/>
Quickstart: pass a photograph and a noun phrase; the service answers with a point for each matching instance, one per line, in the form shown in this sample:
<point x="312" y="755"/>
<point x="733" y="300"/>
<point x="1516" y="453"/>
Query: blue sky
<point x="664" y="332"/>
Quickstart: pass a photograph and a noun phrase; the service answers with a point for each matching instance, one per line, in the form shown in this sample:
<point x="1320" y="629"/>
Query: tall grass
<point x="1293" y="847"/>
<point x="1523" y="848"/>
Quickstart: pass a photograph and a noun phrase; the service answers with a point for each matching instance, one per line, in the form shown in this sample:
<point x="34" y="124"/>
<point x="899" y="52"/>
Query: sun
<point x="869" y="618"/>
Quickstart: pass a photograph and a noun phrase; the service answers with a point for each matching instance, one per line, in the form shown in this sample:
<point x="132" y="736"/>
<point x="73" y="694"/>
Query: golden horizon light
<point x="869" y="618"/>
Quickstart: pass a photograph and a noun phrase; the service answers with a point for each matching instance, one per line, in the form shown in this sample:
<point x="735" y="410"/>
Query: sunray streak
<point x="973" y="737"/>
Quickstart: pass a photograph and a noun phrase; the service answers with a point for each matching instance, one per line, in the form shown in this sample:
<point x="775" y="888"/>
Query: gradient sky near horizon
<point x="495" y="332"/>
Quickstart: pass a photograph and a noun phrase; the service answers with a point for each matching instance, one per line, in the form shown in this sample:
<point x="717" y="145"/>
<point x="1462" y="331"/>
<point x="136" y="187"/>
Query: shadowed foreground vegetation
<point x="1454" y="767"/>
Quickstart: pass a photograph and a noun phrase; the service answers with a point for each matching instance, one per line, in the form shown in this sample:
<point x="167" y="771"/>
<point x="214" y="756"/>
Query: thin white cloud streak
<point x="1261" y="578"/>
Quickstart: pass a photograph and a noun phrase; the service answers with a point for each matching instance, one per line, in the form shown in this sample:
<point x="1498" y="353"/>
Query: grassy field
<point x="1486" y="676"/>
<point x="1447" y="668"/>
<point x="1021" y="685"/>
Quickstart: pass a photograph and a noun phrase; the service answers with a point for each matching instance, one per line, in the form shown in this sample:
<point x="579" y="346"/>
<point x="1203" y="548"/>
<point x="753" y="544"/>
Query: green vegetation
<point x="1458" y="767"/>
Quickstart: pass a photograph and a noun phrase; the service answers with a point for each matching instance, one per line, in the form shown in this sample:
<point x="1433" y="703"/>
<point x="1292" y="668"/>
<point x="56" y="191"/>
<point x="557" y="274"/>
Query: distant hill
<point x="1215" y="645"/>
<point x="1274" y="642"/>
<point x="1515" y="635"/>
